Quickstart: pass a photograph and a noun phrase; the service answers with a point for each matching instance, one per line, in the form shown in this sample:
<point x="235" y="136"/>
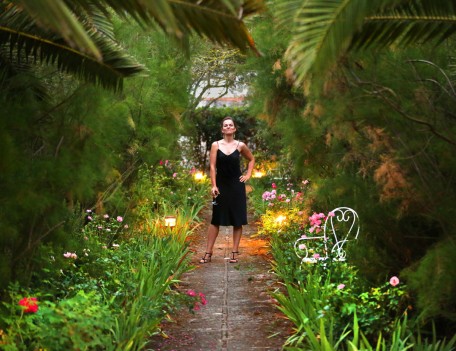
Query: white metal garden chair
<point x="337" y="231"/>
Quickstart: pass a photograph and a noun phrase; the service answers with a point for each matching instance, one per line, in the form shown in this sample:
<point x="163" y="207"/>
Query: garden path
<point x="240" y="314"/>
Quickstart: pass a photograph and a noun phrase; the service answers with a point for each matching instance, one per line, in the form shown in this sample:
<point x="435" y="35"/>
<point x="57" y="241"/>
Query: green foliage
<point x="80" y="148"/>
<point x="168" y="188"/>
<point x="82" y="322"/>
<point x="376" y="138"/>
<point x="434" y="280"/>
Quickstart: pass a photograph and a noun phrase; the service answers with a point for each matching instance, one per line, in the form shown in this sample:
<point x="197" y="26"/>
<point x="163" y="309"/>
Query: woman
<point x="228" y="188"/>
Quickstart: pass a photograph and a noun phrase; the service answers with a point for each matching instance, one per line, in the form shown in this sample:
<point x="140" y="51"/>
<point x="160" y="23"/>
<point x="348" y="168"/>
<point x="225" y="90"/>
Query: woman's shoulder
<point x="216" y="143"/>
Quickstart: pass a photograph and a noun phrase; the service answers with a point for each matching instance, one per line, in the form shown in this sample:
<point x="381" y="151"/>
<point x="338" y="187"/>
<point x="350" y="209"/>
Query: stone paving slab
<point x="240" y="314"/>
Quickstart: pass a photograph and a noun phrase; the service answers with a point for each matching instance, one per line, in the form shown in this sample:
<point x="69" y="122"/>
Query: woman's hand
<point x="243" y="178"/>
<point x="214" y="191"/>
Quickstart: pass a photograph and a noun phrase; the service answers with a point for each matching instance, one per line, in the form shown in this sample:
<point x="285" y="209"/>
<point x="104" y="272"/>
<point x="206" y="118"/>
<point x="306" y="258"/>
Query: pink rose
<point x="273" y="185"/>
<point x="340" y="286"/>
<point x="394" y="281"/>
<point x="119" y="219"/>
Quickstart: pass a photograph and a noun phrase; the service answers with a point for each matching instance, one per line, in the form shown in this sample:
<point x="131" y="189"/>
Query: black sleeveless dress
<point x="230" y="206"/>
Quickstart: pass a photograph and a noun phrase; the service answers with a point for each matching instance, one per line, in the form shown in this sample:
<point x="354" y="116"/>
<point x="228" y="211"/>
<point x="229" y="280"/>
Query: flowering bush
<point x="102" y="231"/>
<point x="196" y="300"/>
<point x="82" y="323"/>
<point x="284" y="199"/>
<point x="377" y="308"/>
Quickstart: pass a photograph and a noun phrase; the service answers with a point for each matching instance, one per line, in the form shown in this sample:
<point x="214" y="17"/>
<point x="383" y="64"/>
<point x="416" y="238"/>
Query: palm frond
<point x="56" y="16"/>
<point x="26" y="42"/>
<point x="414" y="22"/>
<point x="18" y="76"/>
<point x="322" y="30"/>
<point x="219" y="20"/>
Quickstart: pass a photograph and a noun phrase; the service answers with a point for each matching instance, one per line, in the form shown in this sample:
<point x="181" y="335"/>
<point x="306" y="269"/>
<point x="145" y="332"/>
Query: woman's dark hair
<point x="226" y="118"/>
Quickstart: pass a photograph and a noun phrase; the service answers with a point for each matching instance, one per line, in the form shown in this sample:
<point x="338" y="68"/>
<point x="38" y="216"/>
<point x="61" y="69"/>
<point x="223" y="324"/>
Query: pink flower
<point x="106" y="216"/>
<point x="331" y="214"/>
<point x="191" y="292"/>
<point x="30" y="304"/>
<point x="273" y="185"/>
<point x="174" y="175"/>
<point x="89" y="218"/>
<point x="340" y="286"/>
<point x="394" y="281"/>
<point x="119" y="219"/>
<point x="196" y="307"/>
<point x="304" y="236"/>
<point x="126" y="226"/>
<point x="302" y="246"/>
<point x="70" y="255"/>
<point x="89" y="211"/>
<point x="203" y="298"/>
<point x="316" y="256"/>
<point x="305" y="182"/>
<point x="161" y="163"/>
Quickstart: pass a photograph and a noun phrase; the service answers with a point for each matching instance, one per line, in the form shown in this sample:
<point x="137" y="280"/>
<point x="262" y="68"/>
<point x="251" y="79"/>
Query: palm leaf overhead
<point x="219" y="20"/>
<point x="412" y="22"/>
<point x="26" y="42"/>
<point x="76" y="34"/>
<point x="323" y="30"/>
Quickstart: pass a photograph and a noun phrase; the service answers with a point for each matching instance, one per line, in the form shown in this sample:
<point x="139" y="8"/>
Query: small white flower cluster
<point x="70" y="255"/>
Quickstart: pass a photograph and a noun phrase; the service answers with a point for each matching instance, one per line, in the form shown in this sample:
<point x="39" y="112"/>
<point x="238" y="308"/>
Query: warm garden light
<point x="199" y="176"/>
<point x="280" y="219"/>
<point x="258" y="174"/>
<point x="170" y="221"/>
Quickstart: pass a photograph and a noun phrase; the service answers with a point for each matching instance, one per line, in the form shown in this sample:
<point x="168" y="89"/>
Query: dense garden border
<point x="330" y="304"/>
<point x="112" y="283"/>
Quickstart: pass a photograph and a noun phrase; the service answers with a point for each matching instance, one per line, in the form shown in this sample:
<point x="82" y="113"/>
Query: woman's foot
<point x="206" y="258"/>
<point x="234" y="259"/>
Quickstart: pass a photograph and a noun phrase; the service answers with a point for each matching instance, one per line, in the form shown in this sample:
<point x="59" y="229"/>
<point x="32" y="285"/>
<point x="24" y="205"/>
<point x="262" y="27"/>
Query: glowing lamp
<point x="170" y="221"/>
<point x="258" y="174"/>
<point x="280" y="219"/>
<point x="199" y="176"/>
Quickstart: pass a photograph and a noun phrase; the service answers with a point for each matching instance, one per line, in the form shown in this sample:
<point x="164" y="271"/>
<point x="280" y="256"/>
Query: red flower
<point x="30" y="304"/>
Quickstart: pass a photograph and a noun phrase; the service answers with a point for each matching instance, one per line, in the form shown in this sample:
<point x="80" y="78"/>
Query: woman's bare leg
<point x="212" y="234"/>
<point x="237" y="233"/>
